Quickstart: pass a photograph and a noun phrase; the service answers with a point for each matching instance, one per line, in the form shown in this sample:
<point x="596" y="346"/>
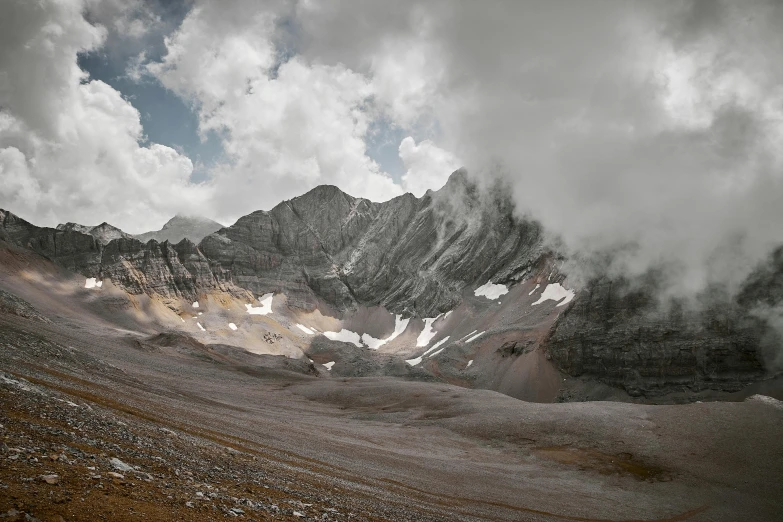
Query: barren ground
<point x="215" y="429"/>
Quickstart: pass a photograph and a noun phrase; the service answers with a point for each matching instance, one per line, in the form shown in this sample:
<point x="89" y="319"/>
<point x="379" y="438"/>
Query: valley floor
<point x="210" y="434"/>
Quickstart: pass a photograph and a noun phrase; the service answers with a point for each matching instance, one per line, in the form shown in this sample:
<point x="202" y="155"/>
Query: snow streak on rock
<point x="264" y="309"/>
<point x="91" y="282"/>
<point x="475" y="337"/>
<point x="305" y="329"/>
<point x="400" y="325"/>
<point x="345" y="336"/>
<point x="555" y="292"/>
<point x="428" y="333"/>
<point x="490" y="290"/>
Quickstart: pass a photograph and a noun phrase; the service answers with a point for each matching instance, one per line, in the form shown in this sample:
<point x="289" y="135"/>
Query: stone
<point x="50" y="479"/>
<point x="120" y="465"/>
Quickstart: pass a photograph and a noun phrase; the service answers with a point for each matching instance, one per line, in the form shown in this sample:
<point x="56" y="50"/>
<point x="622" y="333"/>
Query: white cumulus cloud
<point x="71" y="148"/>
<point x="287" y="126"/>
<point x="427" y="166"/>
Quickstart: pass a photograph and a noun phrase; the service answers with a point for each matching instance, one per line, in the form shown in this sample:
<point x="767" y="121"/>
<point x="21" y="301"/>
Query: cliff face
<point x="410" y="255"/>
<point x="68" y="248"/>
<point x="622" y="336"/>
<point x="169" y="270"/>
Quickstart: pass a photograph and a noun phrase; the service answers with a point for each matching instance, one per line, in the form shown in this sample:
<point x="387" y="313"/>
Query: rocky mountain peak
<point x="103" y="232"/>
<point x="183" y="220"/>
<point x="181" y="226"/>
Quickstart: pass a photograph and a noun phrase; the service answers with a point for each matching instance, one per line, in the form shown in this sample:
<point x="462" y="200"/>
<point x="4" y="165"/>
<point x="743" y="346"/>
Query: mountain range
<point x="383" y="283"/>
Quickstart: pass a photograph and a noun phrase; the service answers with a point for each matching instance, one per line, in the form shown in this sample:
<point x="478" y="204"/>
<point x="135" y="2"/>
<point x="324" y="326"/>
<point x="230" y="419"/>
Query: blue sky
<point x="170" y="120"/>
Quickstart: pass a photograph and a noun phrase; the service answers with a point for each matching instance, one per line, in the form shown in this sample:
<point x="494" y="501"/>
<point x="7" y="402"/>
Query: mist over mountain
<point x="493" y="260"/>
<point x="195" y="228"/>
<point x="330" y="254"/>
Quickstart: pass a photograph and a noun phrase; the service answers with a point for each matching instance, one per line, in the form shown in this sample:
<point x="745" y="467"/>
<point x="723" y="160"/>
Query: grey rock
<point x="12" y="304"/>
<point x="103" y="232"/>
<point x="120" y="465"/>
<point x="617" y="332"/>
<point x="71" y="249"/>
<point x="411" y="255"/>
<point x="50" y="479"/>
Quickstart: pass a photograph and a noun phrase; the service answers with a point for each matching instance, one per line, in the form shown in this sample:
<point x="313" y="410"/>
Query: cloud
<point x="287" y="125"/>
<point x="427" y="166"/>
<point x="70" y="147"/>
<point x="649" y="127"/>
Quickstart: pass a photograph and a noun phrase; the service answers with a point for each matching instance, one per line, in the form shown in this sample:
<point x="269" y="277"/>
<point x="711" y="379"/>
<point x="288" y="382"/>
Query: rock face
<point x="194" y="228"/>
<point x="162" y="268"/>
<point x="179" y="270"/>
<point x="68" y="248"/>
<point x="103" y="232"/>
<point x="411" y="255"/>
<point x="621" y="335"/>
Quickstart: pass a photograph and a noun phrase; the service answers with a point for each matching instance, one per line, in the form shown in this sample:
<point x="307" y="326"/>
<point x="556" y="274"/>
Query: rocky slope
<point x="413" y="256"/>
<point x="103" y="232"/>
<point x="194" y="228"/>
<point x="330" y="253"/>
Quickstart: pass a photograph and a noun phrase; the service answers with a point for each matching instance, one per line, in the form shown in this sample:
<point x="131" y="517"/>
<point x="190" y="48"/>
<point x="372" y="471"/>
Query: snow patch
<point x="232" y="326"/>
<point x="91" y="282"/>
<point x="195" y="304"/>
<point x="413" y="362"/>
<point x="428" y="333"/>
<point x="466" y="336"/>
<point x="435" y="346"/>
<point x="436" y="353"/>
<point x="536" y="288"/>
<point x="201" y="327"/>
<point x="765" y="399"/>
<point x="470" y="363"/>
<point x="475" y="337"/>
<point x="400" y="325"/>
<point x="491" y="291"/>
<point x="345" y="336"/>
<point x="305" y="329"/>
<point x="417" y="360"/>
<point x="555" y="292"/>
<point x="264" y="309"/>
<point x="329" y="365"/>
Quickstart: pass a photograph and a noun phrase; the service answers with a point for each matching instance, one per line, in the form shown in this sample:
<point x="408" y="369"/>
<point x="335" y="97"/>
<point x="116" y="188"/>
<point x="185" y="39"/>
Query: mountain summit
<point x="179" y="227"/>
<point x="103" y="232"/>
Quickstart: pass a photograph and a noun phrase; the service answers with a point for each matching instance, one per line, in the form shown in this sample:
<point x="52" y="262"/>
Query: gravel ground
<point x="206" y="433"/>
